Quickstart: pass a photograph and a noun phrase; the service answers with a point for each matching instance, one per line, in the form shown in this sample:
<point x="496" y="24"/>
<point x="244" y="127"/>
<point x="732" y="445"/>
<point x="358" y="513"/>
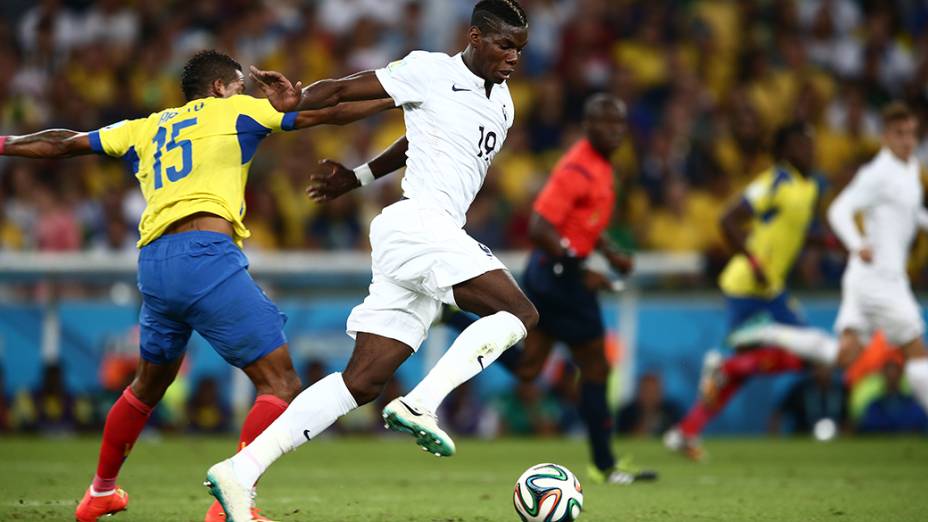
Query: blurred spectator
<point x="649" y="413"/>
<point x="463" y="411"/>
<point x="206" y="411"/>
<point x="313" y="371"/>
<point x="893" y="411"/>
<point x="818" y="395"/>
<point x="58" y="411"/>
<point x="528" y="410"/>
<point x="702" y="102"/>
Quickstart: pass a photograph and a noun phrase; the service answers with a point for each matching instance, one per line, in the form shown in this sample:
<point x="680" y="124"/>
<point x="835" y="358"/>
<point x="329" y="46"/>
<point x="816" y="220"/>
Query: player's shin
<point x="808" y="343"/>
<point x="476" y="348"/>
<point x="124" y="423"/>
<point x="595" y="413"/>
<point x="310" y="413"/>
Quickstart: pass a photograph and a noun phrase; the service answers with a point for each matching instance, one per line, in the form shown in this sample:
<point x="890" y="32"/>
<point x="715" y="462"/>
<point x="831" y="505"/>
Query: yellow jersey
<point x="783" y="203"/>
<point x="193" y="158"/>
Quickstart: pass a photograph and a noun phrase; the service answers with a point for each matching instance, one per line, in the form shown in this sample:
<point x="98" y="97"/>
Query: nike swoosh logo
<point x="307" y="433"/>
<point x="480" y="360"/>
<point x="455" y="88"/>
<point x="414" y="412"/>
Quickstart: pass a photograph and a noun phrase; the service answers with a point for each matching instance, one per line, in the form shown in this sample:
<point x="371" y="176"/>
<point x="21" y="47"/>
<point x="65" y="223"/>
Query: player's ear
<point x="217" y="88"/>
<point x="473" y="35"/>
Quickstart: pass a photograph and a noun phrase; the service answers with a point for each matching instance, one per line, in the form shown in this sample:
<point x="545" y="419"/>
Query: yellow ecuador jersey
<point x="783" y="203"/>
<point x="193" y="158"/>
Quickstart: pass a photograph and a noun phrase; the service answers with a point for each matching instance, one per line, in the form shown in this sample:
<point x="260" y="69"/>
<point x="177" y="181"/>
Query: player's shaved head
<point x="205" y="67"/>
<point x="604" y="122"/>
<point x="602" y="102"/>
<point x="490" y="16"/>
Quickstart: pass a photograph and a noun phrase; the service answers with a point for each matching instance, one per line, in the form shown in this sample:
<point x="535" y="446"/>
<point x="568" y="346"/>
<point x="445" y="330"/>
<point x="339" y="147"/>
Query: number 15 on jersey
<point x="173" y="172"/>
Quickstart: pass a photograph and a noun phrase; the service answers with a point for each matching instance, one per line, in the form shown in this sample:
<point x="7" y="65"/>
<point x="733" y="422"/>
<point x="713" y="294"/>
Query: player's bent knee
<point x="528" y="314"/>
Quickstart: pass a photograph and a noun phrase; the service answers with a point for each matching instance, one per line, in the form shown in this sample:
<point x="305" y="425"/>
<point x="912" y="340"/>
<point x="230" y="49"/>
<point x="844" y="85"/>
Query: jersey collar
<point x="474" y="80"/>
<point x="592" y="152"/>
<point x="889" y="156"/>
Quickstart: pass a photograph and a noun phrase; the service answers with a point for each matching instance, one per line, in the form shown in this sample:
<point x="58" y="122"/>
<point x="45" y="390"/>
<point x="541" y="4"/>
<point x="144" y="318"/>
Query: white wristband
<point x="364" y="174"/>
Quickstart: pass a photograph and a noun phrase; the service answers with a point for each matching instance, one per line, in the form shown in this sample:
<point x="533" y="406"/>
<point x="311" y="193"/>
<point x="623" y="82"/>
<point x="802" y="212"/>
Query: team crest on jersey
<point x="486" y="249"/>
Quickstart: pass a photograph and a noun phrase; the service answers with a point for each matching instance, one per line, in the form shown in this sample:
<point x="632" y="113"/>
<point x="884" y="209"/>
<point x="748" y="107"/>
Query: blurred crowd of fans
<point x="706" y="83"/>
<point x="878" y="401"/>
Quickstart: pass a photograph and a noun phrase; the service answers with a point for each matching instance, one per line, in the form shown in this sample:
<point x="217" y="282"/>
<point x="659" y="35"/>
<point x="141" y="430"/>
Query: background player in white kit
<point x="457" y="112"/>
<point x="875" y="289"/>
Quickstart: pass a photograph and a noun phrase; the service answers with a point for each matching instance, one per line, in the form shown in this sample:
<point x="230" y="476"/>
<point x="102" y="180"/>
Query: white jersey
<point x="454" y="129"/>
<point x="888" y="192"/>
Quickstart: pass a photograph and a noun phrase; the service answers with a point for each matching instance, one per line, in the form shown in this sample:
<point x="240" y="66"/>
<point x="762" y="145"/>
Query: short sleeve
<point x="560" y="194"/>
<point x="260" y="111"/>
<point x="760" y="194"/>
<point x="116" y="139"/>
<point x="407" y="80"/>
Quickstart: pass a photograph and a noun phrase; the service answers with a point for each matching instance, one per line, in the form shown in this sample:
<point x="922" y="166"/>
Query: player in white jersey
<point x="457" y="111"/>
<point x="875" y="289"/>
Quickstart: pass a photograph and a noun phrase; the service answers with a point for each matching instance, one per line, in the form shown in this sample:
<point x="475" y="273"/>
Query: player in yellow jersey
<point x="767" y="227"/>
<point x="192" y="164"/>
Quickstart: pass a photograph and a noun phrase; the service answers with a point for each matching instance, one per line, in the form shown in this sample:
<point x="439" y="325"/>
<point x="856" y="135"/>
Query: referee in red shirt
<point x="568" y="222"/>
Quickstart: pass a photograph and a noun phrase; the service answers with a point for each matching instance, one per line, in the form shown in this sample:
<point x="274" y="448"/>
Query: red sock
<point x="701" y="413"/>
<point x="737" y="369"/>
<point x="262" y="414"/>
<point x="124" y="423"/>
<point x="767" y="360"/>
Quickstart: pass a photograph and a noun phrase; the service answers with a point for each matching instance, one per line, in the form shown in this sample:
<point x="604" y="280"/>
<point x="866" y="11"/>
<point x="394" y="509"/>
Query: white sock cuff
<point x="512" y="323"/>
<point x="346" y="401"/>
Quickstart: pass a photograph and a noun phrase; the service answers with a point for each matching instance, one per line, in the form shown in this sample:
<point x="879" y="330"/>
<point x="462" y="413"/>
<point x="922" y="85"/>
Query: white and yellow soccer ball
<point x="548" y="493"/>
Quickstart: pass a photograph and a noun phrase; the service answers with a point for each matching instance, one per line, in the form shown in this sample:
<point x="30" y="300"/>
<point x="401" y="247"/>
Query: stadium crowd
<point x="705" y="82"/>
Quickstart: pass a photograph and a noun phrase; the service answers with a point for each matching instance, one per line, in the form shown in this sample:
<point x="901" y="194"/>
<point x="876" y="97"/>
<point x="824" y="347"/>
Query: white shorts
<point x="870" y="303"/>
<point x="417" y="255"/>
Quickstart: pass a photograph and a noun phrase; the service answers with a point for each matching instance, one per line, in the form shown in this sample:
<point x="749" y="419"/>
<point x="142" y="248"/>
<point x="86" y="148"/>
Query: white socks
<point x="808" y="343"/>
<point x="916" y="370"/>
<point x="477" y="347"/>
<point x="310" y="413"/>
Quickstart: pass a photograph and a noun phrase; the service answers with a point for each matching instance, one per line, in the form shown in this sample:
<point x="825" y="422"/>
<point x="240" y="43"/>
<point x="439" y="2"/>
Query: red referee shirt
<point x="579" y="196"/>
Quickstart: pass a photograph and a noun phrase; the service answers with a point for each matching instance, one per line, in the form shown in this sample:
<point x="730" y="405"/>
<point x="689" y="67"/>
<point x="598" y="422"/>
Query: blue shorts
<point x="567" y="309"/>
<point x="778" y="309"/>
<point x="199" y="281"/>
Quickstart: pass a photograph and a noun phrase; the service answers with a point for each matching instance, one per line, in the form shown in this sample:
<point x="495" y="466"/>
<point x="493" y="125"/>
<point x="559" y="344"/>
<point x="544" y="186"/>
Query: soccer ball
<point x="548" y="493"/>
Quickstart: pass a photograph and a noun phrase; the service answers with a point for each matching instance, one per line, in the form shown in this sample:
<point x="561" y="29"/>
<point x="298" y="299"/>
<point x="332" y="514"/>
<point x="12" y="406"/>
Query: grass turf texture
<point x="391" y="480"/>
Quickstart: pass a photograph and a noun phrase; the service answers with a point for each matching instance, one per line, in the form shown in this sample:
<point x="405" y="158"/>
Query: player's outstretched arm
<point x="50" y="143"/>
<point x="335" y="179"/>
<point x="343" y="113"/>
<point x="286" y="97"/>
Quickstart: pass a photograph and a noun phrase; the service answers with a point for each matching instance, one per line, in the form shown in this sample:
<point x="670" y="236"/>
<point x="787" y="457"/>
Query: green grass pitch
<point x="368" y="479"/>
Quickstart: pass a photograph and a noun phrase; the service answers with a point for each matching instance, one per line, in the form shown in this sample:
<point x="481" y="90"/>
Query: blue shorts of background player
<point x="199" y="281"/>
<point x="779" y="309"/>
<point x="567" y="309"/>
